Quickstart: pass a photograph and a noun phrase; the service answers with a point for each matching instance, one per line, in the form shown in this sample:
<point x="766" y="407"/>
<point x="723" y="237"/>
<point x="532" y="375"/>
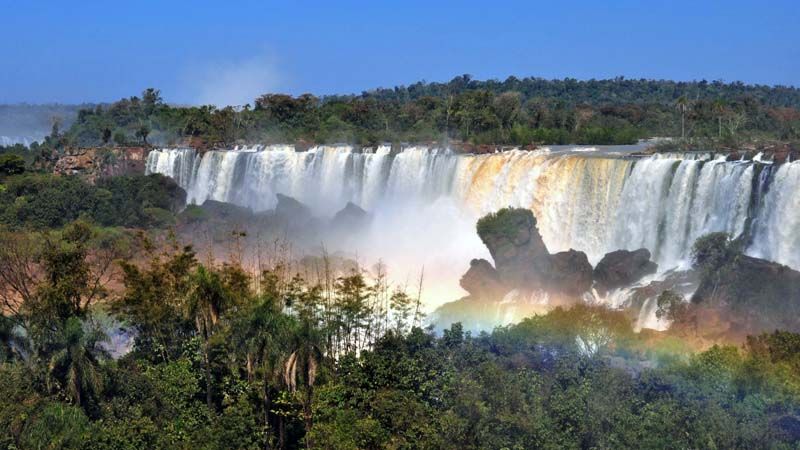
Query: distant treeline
<point x="514" y="111"/>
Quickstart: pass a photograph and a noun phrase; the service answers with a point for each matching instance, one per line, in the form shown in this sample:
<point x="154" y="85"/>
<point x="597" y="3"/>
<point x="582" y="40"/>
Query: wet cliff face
<point x="94" y="163"/>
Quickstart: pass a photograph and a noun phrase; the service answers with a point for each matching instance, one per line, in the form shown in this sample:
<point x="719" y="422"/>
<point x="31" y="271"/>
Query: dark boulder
<point x="226" y="211"/>
<point x="569" y="273"/>
<point x="482" y="281"/>
<point x="292" y="210"/>
<point x="622" y="268"/>
<point x="765" y="293"/>
<point x="350" y="217"/>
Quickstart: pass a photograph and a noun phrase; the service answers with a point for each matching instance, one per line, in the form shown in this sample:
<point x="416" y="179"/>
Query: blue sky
<point x="229" y="52"/>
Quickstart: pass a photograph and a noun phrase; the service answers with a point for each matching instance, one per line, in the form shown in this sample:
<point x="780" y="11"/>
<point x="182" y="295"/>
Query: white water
<point x="8" y="141"/>
<point x="425" y="201"/>
<point x="778" y="220"/>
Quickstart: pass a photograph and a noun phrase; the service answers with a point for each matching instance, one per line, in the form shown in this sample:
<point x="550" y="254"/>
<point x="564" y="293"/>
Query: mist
<point x="25" y="124"/>
<point x="234" y="82"/>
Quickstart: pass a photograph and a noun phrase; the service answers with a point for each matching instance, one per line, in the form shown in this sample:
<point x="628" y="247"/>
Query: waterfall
<point x="8" y="141"/>
<point x="776" y="228"/>
<point x="587" y="199"/>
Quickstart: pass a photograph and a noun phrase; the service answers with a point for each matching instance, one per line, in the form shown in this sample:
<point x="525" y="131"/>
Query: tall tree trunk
<point x="307" y="414"/>
<point x="281" y="433"/>
<point x="267" y="406"/>
<point x="208" y="376"/>
<point x="683" y="125"/>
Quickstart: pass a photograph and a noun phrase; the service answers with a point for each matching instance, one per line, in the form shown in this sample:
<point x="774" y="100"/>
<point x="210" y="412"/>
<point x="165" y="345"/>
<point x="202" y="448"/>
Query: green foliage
<point x="712" y="251"/>
<point x="11" y="164"/>
<point x="222" y="362"/>
<point x="504" y="222"/>
<point x="513" y="111"/>
<point x="154" y="303"/>
<point x="193" y="214"/>
<point x="73" y="363"/>
<point x="47" y="201"/>
<point x="56" y="425"/>
<point x="673" y="307"/>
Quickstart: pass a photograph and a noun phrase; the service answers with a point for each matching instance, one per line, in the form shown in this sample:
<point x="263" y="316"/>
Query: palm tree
<point x="74" y="365"/>
<point x="302" y="366"/>
<point x="264" y="334"/>
<point x="720" y="107"/>
<point x="206" y="302"/>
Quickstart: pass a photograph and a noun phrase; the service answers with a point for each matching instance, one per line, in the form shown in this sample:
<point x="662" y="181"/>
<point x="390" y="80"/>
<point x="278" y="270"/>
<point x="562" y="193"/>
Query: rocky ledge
<point x="94" y="163"/>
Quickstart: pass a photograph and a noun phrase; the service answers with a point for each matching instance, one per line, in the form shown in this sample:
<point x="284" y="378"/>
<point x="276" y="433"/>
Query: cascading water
<point x="777" y="221"/>
<point x="587" y="199"/>
<point x="7" y="141"/>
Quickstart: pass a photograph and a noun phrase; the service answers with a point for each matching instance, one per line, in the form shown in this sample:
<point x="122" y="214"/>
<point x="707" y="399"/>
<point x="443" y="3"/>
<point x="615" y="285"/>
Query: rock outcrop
<point x="292" y="210"/>
<point x="482" y="281"/>
<point x="515" y="244"/>
<point x="761" y="294"/>
<point x="622" y="268"/>
<point x="738" y="296"/>
<point x="94" y="163"/>
<point x="522" y="259"/>
<point x="226" y="211"/>
<point x="569" y="273"/>
<point x="350" y="217"/>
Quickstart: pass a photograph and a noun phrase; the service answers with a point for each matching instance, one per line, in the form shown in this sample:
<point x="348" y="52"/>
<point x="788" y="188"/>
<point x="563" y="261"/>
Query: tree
<point x="106" y="135"/>
<point x="673" y="307"/>
<point x="55" y="129"/>
<point x="712" y="251"/>
<point x="73" y="365"/>
<point x="151" y="99"/>
<point x="302" y="366"/>
<point x="75" y="277"/>
<point x="401" y="306"/>
<point x="720" y="107"/>
<point x="11" y="164"/>
<point x="19" y="273"/>
<point x="207" y="300"/>
<point x="263" y="333"/>
<point x="154" y="302"/>
<point x="682" y="105"/>
<point x="119" y="138"/>
<point x="142" y="132"/>
<point x="507" y="106"/>
<point x="352" y="302"/>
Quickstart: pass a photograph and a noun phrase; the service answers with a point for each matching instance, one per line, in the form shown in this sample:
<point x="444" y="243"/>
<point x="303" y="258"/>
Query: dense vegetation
<point x="223" y="359"/>
<point x="38" y="200"/>
<point x="514" y="111"/>
<point x="227" y="356"/>
<point x="97" y="351"/>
